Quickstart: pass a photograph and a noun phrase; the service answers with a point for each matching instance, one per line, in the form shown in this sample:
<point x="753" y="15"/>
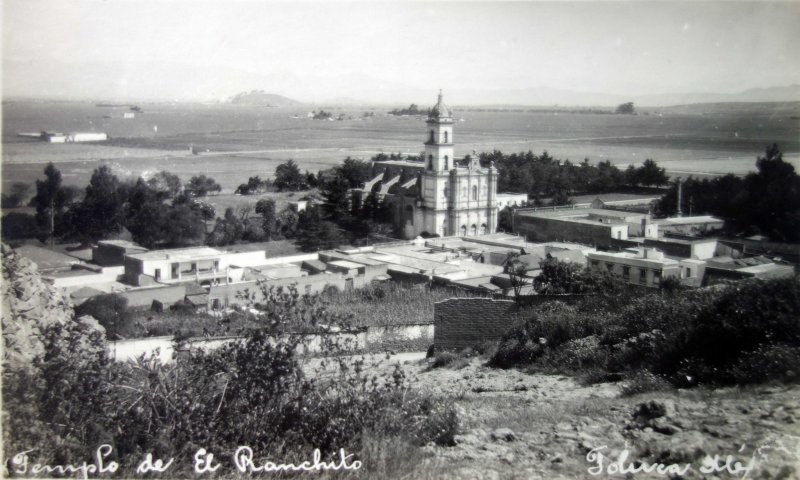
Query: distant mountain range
<point x="259" y="98"/>
<point x="159" y="81"/>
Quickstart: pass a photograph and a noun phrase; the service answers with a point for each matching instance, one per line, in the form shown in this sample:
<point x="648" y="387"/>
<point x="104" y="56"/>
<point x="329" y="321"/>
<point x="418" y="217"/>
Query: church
<point x="439" y="195"/>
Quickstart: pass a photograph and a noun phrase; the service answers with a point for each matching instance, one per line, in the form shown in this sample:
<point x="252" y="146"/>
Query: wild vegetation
<point x="739" y="333"/>
<point x="258" y="393"/>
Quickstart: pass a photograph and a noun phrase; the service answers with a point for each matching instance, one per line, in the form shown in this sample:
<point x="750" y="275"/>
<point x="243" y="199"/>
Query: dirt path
<point x="518" y="425"/>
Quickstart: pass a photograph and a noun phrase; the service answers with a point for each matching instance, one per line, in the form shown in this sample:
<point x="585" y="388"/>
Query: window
<point x="656" y="277"/>
<point x="308" y="289"/>
<point x="643" y="276"/>
<point x="688" y="272"/>
<point x="626" y="273"/>
<point x="473" y="230"/>
<point x="430" y="162"/>
<point x="610" y="267"/>
<point x="431" y="140"/>
<point x="446" y="162"/>
<point x="595" y="263"/>
<point x="445" y="136"/>
<point x="463" y="230"/>
<point x="475" y="192"/>
<point x="158" y="274"/>
<point x="483" y="232"/>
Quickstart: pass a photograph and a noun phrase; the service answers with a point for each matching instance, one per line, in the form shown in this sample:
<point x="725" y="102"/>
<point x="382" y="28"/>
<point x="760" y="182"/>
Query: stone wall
<point x="464" y="322"/>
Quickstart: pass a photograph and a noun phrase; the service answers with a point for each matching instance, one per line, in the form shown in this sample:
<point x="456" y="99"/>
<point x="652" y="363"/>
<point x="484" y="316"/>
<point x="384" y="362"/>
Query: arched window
<point x="473" y="230"/>
<point x="446" y="162"/>
<point x="431" y="140"/>
<point x="445" y="136"/>
<point x="474" y="192"/>
<point x="463" y="230"/>
<point x="483" y="229"/>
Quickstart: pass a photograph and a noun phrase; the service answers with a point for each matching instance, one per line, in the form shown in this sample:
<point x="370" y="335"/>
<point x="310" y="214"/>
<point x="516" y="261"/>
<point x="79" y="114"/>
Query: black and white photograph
<point x="530" y="240"/>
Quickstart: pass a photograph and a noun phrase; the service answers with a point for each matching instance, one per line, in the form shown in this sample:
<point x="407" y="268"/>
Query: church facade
<point x="440" y="195"/>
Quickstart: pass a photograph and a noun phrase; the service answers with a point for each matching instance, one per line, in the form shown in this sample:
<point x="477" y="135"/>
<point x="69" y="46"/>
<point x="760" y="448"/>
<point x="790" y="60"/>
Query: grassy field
<point x="237" y="142"/>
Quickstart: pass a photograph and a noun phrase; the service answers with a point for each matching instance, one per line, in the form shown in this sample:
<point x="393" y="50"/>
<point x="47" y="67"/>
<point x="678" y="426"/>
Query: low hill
<point x="260" y="98"/>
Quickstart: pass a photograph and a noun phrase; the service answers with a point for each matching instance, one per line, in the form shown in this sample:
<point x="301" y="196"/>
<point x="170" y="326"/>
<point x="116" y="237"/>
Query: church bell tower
<point x="439" y="142"/>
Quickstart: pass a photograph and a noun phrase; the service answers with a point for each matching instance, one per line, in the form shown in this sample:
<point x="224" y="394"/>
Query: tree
<point x="505" y="219"/>
<point x="18" y="225"/>
<point x="18" y="194"/>
<point x="50" y="201"/>
<point x="559" y="277"/>
<point x="266" y="208"/>
<point x="314" y="233"/>
<point x="254" y="185"/>
<point x="165" y="184"/>
<point x="355" y="172"/>
<point x="286" y="223"/>
<point x="184" y="226"/>
<point x="145" y="214"/>
<point x="289" y="178"/>
<point x="110" y="310"/>
<point x="228" y="230"/>
<point x="625" y="108"/>
<point x="651" y="174"/>
<point x="206" y="210"/>
<point x="200" y="186"/>
<point x="336" y="191"/>
<point x="101" y="211"/>
<point x="517" y="271"/>
<point x="561" y="197"/>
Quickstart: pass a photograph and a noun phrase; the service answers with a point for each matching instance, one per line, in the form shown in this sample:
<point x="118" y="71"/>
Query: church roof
<point x="440" y="110"/>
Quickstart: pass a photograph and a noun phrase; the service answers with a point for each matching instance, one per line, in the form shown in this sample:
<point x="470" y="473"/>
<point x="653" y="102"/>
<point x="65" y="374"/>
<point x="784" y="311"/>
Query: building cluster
<point x="215" y="278"/>
<point x="641" y="250"/>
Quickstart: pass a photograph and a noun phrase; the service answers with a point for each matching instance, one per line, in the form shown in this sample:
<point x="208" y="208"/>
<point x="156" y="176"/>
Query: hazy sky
<point x="213" y="49"/>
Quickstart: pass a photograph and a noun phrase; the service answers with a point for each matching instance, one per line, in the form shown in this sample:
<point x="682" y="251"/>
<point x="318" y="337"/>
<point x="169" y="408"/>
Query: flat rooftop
<point x="178" y="254"/>
<point x="688" y="220"/>
<point x="567" y="213"/>
<point x="46" y="259"/>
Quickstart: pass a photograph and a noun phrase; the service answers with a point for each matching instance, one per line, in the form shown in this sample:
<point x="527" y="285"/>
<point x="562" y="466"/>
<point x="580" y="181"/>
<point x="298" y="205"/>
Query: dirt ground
<point x="532" y="426"/>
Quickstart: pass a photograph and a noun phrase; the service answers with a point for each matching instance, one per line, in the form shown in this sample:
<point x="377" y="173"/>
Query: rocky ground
<point x="520" y="425"/>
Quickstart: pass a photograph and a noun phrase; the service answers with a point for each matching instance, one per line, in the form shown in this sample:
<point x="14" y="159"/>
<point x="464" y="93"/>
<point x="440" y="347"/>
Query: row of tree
<point x="764" y="202"/>
<point x="544" y="176"/>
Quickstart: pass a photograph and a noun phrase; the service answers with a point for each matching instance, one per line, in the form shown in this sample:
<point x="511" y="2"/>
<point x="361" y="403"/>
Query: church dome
<point x="440" y="110"/>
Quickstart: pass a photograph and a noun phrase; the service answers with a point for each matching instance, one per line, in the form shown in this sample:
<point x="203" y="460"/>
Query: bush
<point x="643" y="381"/>
<point x="769" y="362"/>
<point x="443" y="359"/>
<point x="111" y="310"/>
<point x="744" y="332"/>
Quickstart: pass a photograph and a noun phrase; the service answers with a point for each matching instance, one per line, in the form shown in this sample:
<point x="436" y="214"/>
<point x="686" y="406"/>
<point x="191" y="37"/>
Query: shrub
<point x="111" y="310"/>
<point x="443" y="359"/>
<point x="643" y="381"/>
<point x="769" y="362"/>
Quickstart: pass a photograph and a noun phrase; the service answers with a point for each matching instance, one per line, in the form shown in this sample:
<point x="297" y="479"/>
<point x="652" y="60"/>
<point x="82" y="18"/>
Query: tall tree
<point x="288" y="177"/>
<point x="200" y="186"/>
<point x="165" y="184"/>
<point x="50" y="201"/>
<point x="651" y="174"/>
<point x="266" y="208"/>
<point x="101" y="211"/>
<point x="315" y="233"/>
